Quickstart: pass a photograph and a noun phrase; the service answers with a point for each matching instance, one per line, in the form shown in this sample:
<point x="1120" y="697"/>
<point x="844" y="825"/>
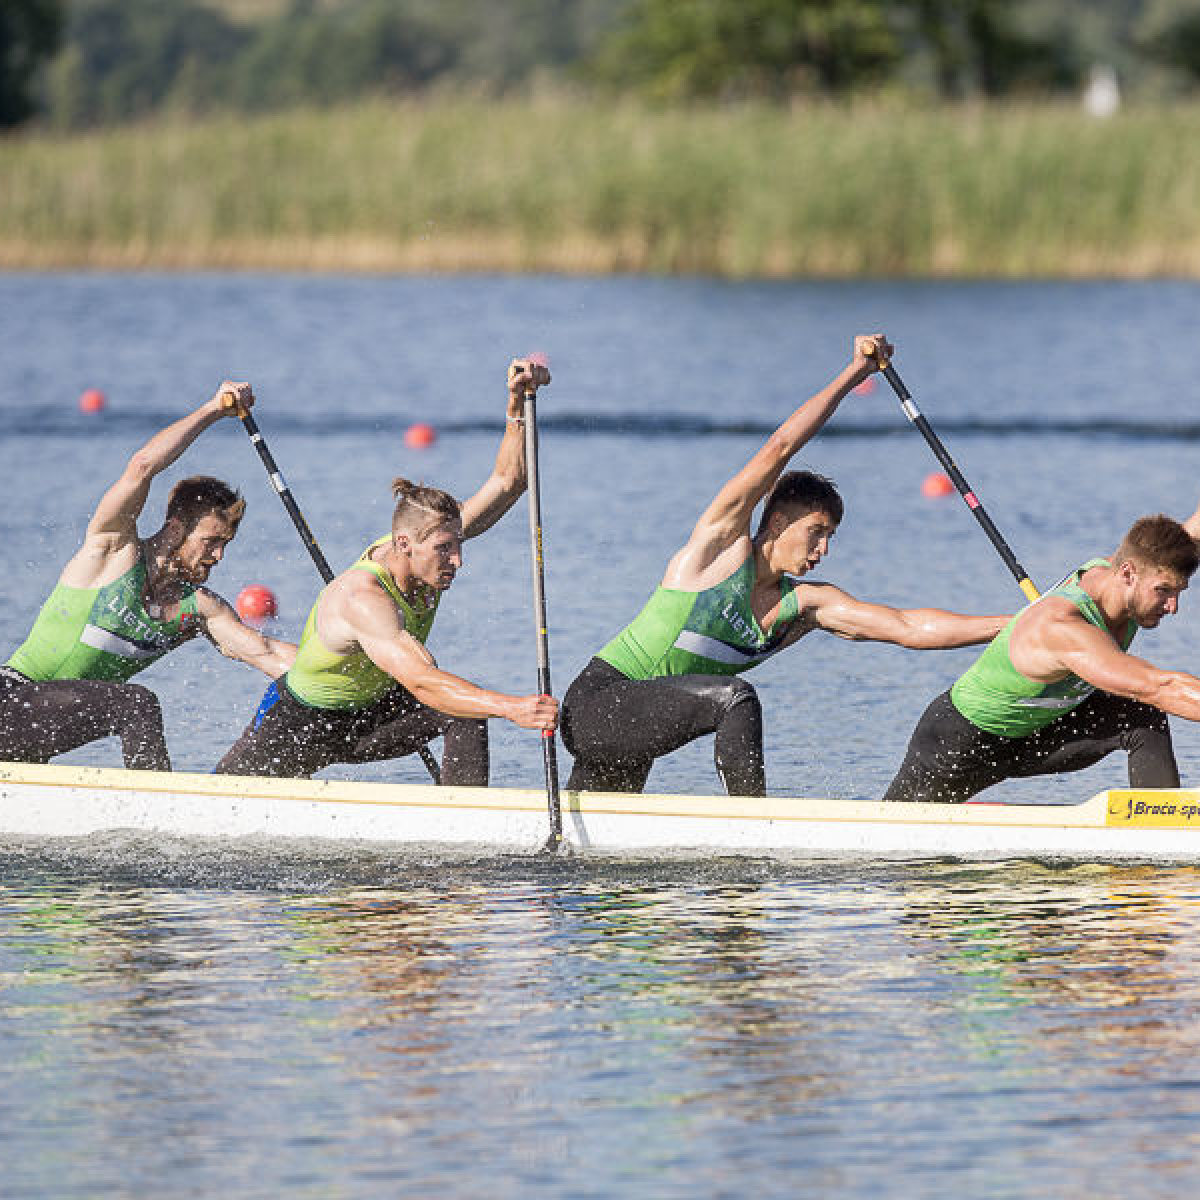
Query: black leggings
<point x="950" y="760"/>
<point x="41" y="719"/>
<point x="291" y="739"/>
<point x="616" y="727"/>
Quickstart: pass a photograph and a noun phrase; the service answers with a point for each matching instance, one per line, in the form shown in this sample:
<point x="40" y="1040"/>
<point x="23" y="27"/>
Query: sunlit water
<point x="184" y="1020"/>
<point x="264" y="1019"/>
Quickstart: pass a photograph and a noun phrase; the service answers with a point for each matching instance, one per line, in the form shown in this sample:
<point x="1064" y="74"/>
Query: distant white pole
<point x="1101" y="95"/>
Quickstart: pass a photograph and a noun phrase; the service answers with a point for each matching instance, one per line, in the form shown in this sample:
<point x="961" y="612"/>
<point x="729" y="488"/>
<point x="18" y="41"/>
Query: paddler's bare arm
<point x="1083" y="649"/>
<point x="115" y="518"/>
<point x="829" y="608"/>
<point x="1192" y="525"/>
<point x="507" y="480"/>
<point x="239" y="641"/>
<point x="370" y="616"/>
<point x="727" y="518"/>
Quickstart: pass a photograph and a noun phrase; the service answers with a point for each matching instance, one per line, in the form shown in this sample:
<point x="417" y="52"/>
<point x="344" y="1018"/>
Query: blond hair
<point x="421" y="509"/>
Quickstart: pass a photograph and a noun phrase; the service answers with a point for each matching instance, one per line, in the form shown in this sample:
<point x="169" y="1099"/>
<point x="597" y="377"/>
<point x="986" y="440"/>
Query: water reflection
<point x="467" y="1023"/>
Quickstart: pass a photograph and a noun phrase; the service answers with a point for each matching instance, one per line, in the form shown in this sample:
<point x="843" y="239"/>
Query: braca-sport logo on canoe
<point x="1172" y="809"/>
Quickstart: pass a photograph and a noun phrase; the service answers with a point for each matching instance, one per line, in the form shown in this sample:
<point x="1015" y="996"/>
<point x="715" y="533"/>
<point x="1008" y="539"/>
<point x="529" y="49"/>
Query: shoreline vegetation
<point x="869" y="189"/>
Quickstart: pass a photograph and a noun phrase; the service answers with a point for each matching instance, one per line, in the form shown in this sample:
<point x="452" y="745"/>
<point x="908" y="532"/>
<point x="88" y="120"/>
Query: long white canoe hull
<point x="58" y="801"/>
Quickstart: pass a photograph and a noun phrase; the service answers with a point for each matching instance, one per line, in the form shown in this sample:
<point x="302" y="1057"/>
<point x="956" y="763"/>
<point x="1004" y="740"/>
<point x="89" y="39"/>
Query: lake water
<point x="182" y="1018"/>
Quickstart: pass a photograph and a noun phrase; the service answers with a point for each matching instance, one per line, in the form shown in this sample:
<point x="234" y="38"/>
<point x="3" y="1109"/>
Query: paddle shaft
<point x="293" y="510"/>
<point x="285" y="494"/>
<point x="549" y="748"/>
<point x="956" y="477"/>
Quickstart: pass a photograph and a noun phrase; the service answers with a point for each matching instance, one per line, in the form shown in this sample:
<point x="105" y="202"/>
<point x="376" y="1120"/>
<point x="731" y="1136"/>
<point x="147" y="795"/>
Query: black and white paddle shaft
<point x="956" y="477"/>
<point x="293" y="510"/>
<point x="549" y="746"/>
<point x="285" y="493"/>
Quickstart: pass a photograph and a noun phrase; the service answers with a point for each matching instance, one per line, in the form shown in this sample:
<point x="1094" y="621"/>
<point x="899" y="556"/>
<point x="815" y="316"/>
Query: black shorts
<point x="43" y="718"/>
<point x="616" y="727"/>
<point x="949" y="759"/>
<point x="289" y="738"/>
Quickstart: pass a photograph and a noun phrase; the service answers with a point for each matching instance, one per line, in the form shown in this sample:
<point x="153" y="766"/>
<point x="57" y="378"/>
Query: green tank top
<point x="322" y="679"/>
<point x="994" y="696"/>
<point x="713" y="632"/>
<point x="101" y="633"/>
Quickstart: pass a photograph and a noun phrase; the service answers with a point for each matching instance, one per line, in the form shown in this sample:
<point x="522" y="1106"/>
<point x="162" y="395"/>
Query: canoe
<point x="69" y="801"/>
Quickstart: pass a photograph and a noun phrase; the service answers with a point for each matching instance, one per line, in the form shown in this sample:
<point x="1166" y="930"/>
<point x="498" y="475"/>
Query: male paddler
<point x="727" y="603"/>
<point x="123" y="601"/>
<point x="363" y="686"/>
<point x="1057" y="690"/>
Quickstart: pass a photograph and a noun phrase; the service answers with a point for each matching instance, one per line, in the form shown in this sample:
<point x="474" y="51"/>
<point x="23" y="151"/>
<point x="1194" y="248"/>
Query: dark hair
<point x="200" y="496"/>
<point x="800" y="493"/>
<point x="415" y="497"/>
<point x="1159" y="542"/>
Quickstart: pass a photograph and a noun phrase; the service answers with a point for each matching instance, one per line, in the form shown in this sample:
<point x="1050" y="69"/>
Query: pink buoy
<point x="256" y="603"/>
<point x="936" y="484"/>
<point x="93" y="400"/>
<point x="420" y="436"/>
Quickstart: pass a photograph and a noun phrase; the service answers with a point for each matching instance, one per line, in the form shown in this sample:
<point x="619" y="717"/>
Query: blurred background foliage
<point x="72" y="64"/>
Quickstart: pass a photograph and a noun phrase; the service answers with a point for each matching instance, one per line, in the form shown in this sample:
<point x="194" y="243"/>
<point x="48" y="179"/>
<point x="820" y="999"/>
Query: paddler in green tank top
<point x="731" y="598"/>
<point x="364" y="688"/>
<point x="1057" y="690"/>
<point x="123" y="601"/>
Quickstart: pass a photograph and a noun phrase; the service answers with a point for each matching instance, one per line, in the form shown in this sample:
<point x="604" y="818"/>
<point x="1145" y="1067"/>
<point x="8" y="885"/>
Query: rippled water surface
<point x="184" y="1019"/>
<point x="268" y="1019"/>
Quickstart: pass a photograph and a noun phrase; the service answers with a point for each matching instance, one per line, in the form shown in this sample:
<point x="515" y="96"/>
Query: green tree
<point x="980" y="46"/>
<point x="125" y="58"/>
<point x="320" y="55"/>
<point x="773" y="48"/>
<point x="1170" y="34"/>
<point x="29" y="34"/>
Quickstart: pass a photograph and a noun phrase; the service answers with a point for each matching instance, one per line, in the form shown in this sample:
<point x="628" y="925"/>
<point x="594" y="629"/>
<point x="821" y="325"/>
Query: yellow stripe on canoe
<point x="1129" y="808"/>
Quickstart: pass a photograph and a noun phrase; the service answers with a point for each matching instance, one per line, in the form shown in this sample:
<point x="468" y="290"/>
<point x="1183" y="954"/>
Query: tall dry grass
<point x="565" y="185"/>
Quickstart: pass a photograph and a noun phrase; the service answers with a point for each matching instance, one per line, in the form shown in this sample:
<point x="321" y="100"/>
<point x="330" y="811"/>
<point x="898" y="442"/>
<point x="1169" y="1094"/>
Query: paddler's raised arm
<point x="1192" y="525"/>
<point x="117" y="513"/>
<point x="727" y="518"/>
<point x="508" y="478"/>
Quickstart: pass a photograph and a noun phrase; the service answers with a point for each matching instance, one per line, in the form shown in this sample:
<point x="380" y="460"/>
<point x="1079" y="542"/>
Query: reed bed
<point x="871" y="189"/>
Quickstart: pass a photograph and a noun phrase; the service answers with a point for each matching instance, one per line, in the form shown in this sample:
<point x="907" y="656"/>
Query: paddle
<point x="549" y="748"/>
<point x="956" y="476"/>
<point x="285" y="493"/>
<point x="293" y="510"/>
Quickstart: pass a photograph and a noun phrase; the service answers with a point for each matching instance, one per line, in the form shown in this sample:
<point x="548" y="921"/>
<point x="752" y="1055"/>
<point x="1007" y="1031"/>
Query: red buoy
<point x="93" y="400"/>
<point x="419" y="436"/>
<point x="936" y="484"/>
<point x="256" y="603"/>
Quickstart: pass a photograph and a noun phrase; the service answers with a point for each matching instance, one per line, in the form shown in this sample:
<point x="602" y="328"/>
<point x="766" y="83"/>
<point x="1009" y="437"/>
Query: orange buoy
<point x="256" y="603"/>
<point x="419" y="436"/>
<point x="936" y="484"/>
<point x="93" y="400"/>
